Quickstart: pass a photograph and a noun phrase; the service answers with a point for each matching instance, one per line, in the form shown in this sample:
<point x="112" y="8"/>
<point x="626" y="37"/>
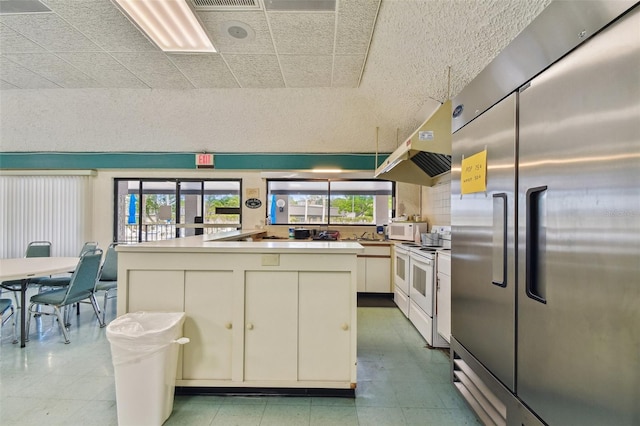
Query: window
<point x="324" y="202"/>
<point x="162" y="209"/>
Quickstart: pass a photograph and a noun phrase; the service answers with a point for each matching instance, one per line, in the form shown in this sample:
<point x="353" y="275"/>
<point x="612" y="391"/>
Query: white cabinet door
<point x="271" y="326"/>
<point x="209" y="307"/>
<point x="325" y="326"/>
<point x="374" y="270"/>
<point x="378" y="275"/>
<point x="160" y="291"/>
<point x="444" y="306"/>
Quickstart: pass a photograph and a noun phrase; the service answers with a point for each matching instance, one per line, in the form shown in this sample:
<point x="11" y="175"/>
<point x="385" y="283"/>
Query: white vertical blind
<point x="44" y="208"/>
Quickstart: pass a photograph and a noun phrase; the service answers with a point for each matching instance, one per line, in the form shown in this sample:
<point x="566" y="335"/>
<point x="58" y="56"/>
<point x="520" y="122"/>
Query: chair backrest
<point x="83" y="279"/>
<point x="109" y="270"/>
<point x="89" y="245"/>
<point x="38" y="249"/>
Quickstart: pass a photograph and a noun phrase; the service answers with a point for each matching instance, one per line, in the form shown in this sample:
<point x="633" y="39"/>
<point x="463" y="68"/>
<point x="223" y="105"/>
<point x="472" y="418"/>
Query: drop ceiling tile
<point x="205" y="71"/>
<point x="103" y="23"/>
<point x="13" y="42"/>
<point x="306" y="70"/>
<point x="21" y="77"/>
<point x="103" y="68"/>
<point x="303" y="33"/>
<point x="6" y="85"/>
<point x="346" y="70"/>
<point x="154" y="69"/>
<point x="54" y="69"/>
<point x="356" y="19"/>
<point x="49" y="31"/>
<point x="256" y="71"/>
<point x="258" y="38"/>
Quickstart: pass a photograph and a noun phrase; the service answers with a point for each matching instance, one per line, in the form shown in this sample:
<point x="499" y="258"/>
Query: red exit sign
<point x="204" y="161"/>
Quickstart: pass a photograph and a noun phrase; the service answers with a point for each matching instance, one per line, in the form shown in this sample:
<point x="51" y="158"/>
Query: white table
<point x="25" y="268"/>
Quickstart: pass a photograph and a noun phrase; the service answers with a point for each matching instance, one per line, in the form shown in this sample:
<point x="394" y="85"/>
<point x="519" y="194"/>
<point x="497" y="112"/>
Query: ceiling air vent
<point x="226" y="5"/>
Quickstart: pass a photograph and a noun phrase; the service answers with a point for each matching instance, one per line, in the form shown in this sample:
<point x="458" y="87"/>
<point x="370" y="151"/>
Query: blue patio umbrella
<point x="273" y="209"/>
<point x="132" y="209"/>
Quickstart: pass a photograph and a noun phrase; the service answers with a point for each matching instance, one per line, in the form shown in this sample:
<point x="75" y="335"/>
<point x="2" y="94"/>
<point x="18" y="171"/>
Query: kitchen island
<point x="261" y="316"/>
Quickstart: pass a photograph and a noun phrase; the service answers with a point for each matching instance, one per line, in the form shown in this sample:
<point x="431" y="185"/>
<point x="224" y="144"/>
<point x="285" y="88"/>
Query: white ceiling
<point x="369" y="64"/>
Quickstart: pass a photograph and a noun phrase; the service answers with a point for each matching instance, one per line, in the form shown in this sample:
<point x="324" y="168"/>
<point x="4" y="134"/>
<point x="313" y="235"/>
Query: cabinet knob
<point x="345" y="326"/>
<point x="249" y="326"/>
<point x="228" y="326"/>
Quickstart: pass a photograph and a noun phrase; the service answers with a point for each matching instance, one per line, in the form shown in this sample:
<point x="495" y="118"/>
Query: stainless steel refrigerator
<point x="546" y="246"/>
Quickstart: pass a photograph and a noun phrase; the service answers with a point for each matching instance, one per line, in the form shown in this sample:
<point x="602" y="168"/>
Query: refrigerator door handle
<point x="499" y="274"/>
<point x="535" y="243"/>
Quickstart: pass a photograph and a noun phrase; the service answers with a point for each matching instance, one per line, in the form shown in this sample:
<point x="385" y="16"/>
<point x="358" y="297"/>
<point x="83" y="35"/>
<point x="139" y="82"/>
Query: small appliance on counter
<point x="301" y="233"/>
<point x="406" y="231"/>
<point x="327" y="236"/>
<point x="440" y="236"/>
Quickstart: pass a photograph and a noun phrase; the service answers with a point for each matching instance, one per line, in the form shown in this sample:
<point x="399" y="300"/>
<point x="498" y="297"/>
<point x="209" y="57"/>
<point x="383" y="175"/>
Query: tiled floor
<point x="400" y="382"/>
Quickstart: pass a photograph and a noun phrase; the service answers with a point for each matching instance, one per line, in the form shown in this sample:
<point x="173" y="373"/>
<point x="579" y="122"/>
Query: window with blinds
<point x="44" y="208"/>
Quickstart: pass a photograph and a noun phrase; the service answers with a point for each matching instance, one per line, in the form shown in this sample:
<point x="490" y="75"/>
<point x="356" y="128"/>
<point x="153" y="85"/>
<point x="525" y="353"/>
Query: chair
<point x="63" y="281"/>
<point x="108" y="279"/>
<point x="34" y="249"/>
<point x="81" y="286"/>
<point x="47" y="283"/>
<point x="6" y="305"/>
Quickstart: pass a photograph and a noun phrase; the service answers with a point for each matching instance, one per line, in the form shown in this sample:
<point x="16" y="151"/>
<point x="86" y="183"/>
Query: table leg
<point x="23" y="309"/>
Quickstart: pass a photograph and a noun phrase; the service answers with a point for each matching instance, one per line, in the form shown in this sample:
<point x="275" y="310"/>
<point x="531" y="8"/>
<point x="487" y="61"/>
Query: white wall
<point x="436" y="201"/>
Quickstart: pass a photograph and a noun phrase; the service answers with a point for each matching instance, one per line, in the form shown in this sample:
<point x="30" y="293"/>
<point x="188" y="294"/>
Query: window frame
<point x="328" y="196"/>
<point x="178" y="194"/>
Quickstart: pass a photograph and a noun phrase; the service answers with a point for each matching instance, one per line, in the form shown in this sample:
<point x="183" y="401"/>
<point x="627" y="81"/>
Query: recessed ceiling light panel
<point x="171" y="24"/>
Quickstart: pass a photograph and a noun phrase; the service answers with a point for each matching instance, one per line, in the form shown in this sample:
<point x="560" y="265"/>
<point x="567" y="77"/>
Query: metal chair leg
<point x="27" y="326"/>
<point x="61" y="324"/>
<point x="96" y="309"/>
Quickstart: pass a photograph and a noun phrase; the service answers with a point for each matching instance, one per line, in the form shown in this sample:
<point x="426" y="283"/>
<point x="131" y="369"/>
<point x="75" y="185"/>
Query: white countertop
<point x="202" y="243"/>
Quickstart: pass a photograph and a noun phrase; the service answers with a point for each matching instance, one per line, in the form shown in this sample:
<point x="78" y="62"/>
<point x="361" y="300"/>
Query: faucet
<point x="364" y="234"/>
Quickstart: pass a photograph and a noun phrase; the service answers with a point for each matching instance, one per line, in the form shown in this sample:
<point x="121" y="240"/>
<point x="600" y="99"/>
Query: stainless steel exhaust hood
<point x="425" y="155"/>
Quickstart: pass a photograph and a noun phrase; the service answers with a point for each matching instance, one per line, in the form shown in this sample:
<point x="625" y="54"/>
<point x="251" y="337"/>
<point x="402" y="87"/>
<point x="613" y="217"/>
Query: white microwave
<point x="406" y="231"/>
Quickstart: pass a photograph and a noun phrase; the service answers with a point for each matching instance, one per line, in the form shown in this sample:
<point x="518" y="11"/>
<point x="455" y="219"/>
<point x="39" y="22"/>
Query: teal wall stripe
<point x="173" y="160"/>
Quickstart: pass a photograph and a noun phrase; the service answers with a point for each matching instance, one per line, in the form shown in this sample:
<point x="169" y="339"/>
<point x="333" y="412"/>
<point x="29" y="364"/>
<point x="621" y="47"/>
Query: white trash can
<point x="144" y="352"/>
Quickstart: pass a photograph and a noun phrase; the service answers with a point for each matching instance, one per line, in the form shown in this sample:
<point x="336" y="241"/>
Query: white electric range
<point x="423" y="305"/>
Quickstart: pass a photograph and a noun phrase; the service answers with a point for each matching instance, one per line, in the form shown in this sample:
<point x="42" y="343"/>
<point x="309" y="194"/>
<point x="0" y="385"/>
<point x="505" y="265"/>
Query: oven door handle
<point x="499" y="258"/>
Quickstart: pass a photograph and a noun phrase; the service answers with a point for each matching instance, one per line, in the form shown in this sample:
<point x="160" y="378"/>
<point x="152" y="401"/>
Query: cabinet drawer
<point x="376" y="251"/>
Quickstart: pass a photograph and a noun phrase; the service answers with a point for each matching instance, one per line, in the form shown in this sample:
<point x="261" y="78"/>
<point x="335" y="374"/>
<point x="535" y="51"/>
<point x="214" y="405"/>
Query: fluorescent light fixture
<point x="326" y="170"/>
<point x="171" y="24"/>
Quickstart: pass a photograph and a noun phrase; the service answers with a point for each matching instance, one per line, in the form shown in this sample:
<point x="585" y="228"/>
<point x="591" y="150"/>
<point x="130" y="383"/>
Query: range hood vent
<point x="431" y="163"/>
<point x="226" y="5"/>
<point x="425" y="155"/>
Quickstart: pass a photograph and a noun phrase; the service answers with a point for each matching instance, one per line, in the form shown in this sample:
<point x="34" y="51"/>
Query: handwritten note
<point x="473" y="177"/>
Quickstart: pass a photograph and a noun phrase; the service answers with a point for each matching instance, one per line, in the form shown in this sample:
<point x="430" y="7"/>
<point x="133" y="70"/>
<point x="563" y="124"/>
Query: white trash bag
<point x="144" y="352"/>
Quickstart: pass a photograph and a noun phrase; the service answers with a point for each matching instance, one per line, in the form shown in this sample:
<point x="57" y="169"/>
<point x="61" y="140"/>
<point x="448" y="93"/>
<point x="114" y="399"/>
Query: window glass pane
<point x="158" y="210"/>
<point x="360" y="202"/>
<point x="297" y="202"/>
<point x="322" y="202"/>
<point x="127" y="211"/>
<point x="222" y="203"/>
<point x="156" y="213"/>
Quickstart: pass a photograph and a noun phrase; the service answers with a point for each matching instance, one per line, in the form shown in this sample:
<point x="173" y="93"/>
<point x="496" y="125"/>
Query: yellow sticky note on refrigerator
<point x="473" y="177"/>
